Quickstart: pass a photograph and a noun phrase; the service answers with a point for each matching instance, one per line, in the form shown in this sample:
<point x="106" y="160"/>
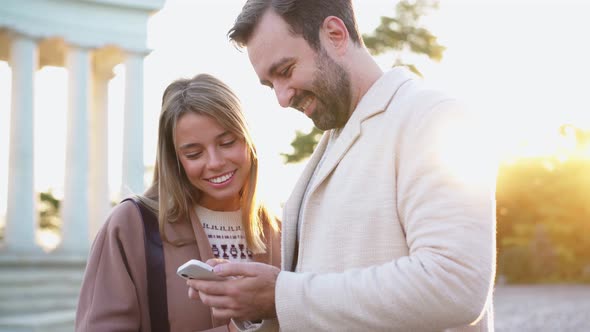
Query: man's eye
<point x="286" y="71"/>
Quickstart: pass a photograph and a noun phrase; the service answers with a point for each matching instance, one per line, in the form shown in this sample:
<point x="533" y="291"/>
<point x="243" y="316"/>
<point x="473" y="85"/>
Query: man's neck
<point x="364" y="72"/>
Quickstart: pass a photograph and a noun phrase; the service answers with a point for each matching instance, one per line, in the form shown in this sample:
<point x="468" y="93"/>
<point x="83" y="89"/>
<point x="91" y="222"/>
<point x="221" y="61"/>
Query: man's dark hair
<point x="304" y="17"/>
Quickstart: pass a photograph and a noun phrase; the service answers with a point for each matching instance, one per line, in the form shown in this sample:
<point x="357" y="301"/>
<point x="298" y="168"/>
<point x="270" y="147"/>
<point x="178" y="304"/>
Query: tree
<point x="303" y="145"/>
<point x="400" y="33"/>
<point x="543" y="220"/>
<point x="49" y="211"/>
<point x="404" y="33"/>
<point x="581" y="136"/>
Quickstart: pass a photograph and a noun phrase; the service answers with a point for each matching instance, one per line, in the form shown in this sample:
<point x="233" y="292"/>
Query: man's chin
<point x="328" y="126"/>
<point x="320" y="126"/>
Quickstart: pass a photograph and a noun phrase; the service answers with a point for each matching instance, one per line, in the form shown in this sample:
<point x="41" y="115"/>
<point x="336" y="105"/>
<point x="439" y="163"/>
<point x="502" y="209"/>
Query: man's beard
<point x="331" y="86"/>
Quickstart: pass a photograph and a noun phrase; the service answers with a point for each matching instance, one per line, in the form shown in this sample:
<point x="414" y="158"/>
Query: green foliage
<point x="543" y="215"/>
<point x="403" y="32"/>
<point x="303" y="145"/>
<point x="49" y="211"/>
<point x="400" y="32"/>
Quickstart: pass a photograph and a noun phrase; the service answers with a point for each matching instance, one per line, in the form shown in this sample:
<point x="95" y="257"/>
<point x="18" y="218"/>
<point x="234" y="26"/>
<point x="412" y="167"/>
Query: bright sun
<point x="465" y="148"/>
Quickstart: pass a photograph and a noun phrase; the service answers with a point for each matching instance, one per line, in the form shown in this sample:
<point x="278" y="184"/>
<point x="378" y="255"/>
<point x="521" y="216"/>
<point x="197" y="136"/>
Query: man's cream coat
<point x="397" y="231"/>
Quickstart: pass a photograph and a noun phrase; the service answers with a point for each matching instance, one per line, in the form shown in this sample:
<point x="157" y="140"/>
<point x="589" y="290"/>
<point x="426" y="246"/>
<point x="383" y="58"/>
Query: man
<point x="388" y="229"/>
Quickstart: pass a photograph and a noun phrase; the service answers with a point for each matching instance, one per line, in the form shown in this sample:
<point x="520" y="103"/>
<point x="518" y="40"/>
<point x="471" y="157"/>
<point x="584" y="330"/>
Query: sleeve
<point x="275" y="245"/>
<point x="109" y="298"/>
<point x="446" y="203"/>
<point x="274" y="251"/>
<point x="222" y="328"/>
<point x="267" y="325"/>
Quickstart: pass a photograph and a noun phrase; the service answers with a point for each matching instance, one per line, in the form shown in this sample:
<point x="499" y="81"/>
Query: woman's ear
<point x="334" y="34"/>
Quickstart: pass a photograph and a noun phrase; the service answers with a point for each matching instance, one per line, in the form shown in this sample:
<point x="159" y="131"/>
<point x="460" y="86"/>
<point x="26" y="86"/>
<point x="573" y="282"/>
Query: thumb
<point x="216" y="261"/>
<point x="236" y="269"/>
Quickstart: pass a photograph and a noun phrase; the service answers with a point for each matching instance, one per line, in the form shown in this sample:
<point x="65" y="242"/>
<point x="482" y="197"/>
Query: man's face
<point x="309" y="81"/>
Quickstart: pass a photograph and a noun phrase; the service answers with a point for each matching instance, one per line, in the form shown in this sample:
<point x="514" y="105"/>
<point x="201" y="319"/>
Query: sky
<point x="523" y="64"/>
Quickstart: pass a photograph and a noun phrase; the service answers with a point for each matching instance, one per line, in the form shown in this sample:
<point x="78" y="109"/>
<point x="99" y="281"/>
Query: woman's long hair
<point x="171" y="194"/>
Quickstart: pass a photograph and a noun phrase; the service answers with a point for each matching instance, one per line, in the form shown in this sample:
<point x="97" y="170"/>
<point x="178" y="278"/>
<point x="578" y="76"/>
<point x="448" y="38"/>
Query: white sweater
<point x="225" y="233"/>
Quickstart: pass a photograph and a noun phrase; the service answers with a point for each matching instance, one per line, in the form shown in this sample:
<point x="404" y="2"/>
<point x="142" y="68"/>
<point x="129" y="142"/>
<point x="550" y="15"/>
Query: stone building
<point x="38" y="289"/>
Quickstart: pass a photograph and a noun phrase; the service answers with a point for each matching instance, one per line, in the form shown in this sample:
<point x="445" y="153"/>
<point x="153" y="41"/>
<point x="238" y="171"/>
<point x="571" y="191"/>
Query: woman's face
<point x="216" y="161"/>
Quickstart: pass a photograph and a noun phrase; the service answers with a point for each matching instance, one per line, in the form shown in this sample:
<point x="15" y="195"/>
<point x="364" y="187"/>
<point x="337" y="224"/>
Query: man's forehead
<point x="257" y="59"/>
<point x="270" y="29"/>
<point x="268" y="40"/>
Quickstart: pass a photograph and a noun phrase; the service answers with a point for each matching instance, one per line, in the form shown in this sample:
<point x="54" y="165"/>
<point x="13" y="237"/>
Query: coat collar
<point x="190" y="233"/>
<point x="375" y="101"/>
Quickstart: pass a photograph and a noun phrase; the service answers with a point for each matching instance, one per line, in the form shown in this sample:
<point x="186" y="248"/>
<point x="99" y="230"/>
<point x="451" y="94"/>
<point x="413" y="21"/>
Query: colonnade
<point x="86" y="193"/>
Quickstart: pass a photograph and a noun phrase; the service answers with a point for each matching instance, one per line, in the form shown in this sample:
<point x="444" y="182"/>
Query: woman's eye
<point x="192" y="155"/>
<point x="228" y="143"/>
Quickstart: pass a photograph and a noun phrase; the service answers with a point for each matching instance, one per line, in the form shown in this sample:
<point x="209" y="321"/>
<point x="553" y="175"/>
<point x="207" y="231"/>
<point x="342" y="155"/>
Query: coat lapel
<point x="374" y="102"/>
<point x="185" y="232"/>
<point x="291" y="208"/>
<point x="202" y="241"/>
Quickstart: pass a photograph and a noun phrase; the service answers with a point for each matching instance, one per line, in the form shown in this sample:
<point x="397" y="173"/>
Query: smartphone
<point x="195" y="269"/>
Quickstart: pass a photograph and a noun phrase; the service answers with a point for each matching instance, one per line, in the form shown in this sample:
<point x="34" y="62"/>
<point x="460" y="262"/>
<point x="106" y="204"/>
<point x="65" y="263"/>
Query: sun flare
<point x="466" y="150"/>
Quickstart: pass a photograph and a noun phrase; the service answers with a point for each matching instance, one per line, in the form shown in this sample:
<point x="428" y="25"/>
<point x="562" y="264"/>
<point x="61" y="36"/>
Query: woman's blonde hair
<point x="171" y="194"/>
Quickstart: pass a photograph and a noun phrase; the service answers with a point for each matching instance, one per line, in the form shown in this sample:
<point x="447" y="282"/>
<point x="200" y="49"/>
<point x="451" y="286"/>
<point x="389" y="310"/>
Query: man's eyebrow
<point x="273" y="69"/>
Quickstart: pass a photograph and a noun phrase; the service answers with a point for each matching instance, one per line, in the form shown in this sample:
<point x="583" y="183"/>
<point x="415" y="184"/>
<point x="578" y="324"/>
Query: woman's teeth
<point x="222" y="178"/>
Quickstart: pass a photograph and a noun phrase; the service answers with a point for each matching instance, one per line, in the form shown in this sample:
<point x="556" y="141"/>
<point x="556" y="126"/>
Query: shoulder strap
<point x="156" y="269"/>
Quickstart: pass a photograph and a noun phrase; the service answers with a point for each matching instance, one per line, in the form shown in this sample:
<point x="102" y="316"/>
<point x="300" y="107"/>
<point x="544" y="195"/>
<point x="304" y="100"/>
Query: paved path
<point x="542" y="308"/>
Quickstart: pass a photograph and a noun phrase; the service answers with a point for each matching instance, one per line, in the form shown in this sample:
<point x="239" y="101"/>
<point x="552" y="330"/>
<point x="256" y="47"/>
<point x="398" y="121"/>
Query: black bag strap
<point x="156" y="269"/>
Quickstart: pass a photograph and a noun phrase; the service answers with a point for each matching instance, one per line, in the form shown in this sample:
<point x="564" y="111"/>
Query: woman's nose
<point x="216" y="160"/>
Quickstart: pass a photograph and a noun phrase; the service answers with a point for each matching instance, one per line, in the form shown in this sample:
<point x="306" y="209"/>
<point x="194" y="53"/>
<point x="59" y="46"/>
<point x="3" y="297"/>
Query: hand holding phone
<point x="195" y="269"/>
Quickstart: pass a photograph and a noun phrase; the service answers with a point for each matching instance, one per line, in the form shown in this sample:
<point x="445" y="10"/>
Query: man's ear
<point x="334" y="34"/>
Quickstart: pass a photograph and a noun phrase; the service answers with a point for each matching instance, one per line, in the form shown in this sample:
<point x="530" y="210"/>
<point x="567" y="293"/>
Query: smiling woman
<point x="203" y="196"/>
<point x="215" y="160"/>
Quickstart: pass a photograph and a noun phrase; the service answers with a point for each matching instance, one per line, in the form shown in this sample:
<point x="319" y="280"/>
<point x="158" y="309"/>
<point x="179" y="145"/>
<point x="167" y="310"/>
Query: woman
<point x="204" y="196"/>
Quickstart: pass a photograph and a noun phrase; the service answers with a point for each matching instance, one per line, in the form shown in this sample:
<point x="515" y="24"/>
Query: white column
<point x="98" y="190"/>
<point x="21" y="213"/>
<point x="75" y="202"/>
<point x="133" y="167"/>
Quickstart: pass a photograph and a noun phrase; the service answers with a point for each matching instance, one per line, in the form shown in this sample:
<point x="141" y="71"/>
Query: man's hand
<point x="250" y="295"/>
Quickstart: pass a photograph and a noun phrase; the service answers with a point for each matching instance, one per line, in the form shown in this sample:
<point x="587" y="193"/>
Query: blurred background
<point x="522" y="64"/>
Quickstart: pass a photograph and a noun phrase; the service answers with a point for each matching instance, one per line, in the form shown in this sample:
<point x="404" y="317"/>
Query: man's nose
<point x="284" y="94"/>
